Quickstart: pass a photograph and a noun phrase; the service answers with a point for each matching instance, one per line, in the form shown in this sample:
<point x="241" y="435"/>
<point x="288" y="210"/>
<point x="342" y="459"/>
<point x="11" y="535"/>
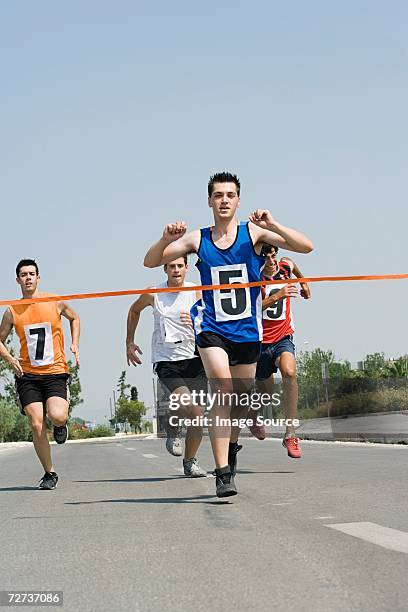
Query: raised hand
<point x="174" y="231"/>
<point x="262" y="218"/>
<point x="288" y="291"/>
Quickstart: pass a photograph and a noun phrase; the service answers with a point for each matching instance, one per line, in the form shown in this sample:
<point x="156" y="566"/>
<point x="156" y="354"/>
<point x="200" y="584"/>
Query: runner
<point x="227" y="323"/>
<point x="173" y="358"/>
<point x="278" y="349"/>
<point x="41" y="371"/>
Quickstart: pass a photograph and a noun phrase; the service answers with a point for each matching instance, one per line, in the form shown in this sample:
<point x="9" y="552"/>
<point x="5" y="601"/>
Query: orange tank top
<point x="39" y="329"/>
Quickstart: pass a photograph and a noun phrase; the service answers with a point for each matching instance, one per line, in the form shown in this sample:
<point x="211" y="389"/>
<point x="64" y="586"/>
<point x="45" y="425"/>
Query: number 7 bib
<point x="39" y="343"/>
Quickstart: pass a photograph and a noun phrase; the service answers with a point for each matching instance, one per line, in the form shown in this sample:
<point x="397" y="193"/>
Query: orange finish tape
<point x="103" y="294"/>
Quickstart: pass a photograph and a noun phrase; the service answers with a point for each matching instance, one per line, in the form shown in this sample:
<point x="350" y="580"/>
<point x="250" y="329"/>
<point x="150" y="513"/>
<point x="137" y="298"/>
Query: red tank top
<point x="277" y="319"/>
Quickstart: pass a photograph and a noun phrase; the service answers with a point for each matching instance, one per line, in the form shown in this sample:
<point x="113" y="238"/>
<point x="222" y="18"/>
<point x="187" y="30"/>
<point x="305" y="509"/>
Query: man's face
<point x="224" y="200"/>
<point x="28" y="279"/>
<point x="271" y="262"/>
<point x="176" y="272"/>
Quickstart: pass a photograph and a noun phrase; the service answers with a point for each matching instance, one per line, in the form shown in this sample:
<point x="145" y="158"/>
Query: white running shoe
<point x="192" y="469"/>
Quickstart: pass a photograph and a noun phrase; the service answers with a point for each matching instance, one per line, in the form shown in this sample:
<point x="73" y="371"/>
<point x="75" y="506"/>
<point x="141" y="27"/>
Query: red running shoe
<point x="258" y="431"/>
<point x="292" y="445"/>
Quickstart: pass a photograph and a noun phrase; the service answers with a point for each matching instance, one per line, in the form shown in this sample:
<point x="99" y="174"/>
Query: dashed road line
<point x="393" y="539"/>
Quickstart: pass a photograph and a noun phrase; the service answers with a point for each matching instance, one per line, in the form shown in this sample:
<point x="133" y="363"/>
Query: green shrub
<point x="79" y="434"/>
<point x="363" y="402"/>
<point x="102" y="431"/>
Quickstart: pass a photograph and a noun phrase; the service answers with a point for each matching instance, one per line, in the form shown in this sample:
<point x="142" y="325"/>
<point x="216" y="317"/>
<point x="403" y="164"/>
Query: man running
<point x="227" y="322"/>
<point x="278" y="349"/>
<point x="173" y="357"/>
<point x="41" y="371"/>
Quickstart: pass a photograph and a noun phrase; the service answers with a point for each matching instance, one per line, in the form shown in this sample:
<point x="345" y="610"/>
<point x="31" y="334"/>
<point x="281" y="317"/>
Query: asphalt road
<point x="125" y="530"/>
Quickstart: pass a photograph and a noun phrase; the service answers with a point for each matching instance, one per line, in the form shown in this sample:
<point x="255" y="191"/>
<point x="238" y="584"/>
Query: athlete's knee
<point x="222" y="386"/>
<point x="58" y="419"/>
<point x="288" y="371"/>
<point x="36" y="425"/>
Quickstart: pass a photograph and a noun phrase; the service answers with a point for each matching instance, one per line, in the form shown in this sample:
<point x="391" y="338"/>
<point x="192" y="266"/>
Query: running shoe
<point x="174" y="446"/>
<point x="234" y="448"/>
<point x="61" y="434"/>
<point x="258" y="431"/>
<point x="173" y="440"/>
<point x="49" y="481"/>
<point x="192" y="469"/>
<point x="292" y="445"/>
<point x="224" y="482"/>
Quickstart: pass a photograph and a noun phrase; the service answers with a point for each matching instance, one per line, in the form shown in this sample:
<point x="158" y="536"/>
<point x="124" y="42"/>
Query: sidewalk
<point x="10" y="445"/>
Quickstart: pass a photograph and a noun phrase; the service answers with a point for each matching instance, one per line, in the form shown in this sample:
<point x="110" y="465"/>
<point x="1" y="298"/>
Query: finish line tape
<point x="104" y="294"/>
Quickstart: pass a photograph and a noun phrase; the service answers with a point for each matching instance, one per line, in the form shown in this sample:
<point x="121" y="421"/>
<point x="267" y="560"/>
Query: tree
<point x="7" y="418"/>
<point x="129" y="409"/>
<point x="75" y="388"/>
<point x="7" y="376"/>
<point x="122" y="385"/>
<point x="21" y="429"/>
<point x="398" y="368"/>
<point x="309" y="364"/>
<point x="375" y="365"/>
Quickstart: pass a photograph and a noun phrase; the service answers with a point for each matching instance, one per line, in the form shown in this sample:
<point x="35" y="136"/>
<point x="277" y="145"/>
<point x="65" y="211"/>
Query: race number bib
<point x="276" y="312"/>
<point x="39" y="344"/>
<point x="231" y="304"/>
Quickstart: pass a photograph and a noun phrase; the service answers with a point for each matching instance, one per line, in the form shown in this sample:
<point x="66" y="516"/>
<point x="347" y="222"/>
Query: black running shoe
<point x="233" y="449"/>
<point x="224" y="482"/>
<point x="61" y="434"/>
<point x="49" y="481"/>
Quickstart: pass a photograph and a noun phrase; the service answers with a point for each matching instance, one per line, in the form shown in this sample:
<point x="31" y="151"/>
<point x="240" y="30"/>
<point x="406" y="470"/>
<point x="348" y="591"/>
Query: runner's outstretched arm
<point x="174" y="243"/>
<point x="75" y="326"/>
<point x="304" y="287"/>
<point x="270" y="231"/>
<point x="5" y="330"/>
<point x="132" y="349"/>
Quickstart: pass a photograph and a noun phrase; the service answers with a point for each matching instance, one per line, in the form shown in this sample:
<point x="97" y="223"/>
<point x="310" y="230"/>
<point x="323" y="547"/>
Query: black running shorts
<point x="239" y="353"/>
<point x="40" y="387"/>
<point x="184" y="373"/>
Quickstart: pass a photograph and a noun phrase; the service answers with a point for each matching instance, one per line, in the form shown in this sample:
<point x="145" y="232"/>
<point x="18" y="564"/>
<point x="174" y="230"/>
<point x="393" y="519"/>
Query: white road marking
<point x="130" y="449"/>
<point x="149" y="456"/>
<point x="393" y="539"/>
<point x="323" y="518"/>
<point x="287" y="503"/>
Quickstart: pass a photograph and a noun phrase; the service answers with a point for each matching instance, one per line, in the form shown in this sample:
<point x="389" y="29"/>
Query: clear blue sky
<point x="113" y="115"/>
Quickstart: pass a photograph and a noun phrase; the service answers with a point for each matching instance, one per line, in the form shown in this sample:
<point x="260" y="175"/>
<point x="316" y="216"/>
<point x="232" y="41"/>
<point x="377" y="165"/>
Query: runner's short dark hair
<point x="26" y="262"/>
<point x="223" y="177"/>
<point x="267" y="248"/>
<point x="183" y="256"/>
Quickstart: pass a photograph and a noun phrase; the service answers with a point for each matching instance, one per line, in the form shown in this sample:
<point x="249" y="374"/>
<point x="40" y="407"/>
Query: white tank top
<point x="172" y="340"/>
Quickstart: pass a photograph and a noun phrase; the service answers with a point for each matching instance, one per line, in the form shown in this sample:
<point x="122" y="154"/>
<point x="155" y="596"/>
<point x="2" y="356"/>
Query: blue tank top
<point x="235" y="314"/>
